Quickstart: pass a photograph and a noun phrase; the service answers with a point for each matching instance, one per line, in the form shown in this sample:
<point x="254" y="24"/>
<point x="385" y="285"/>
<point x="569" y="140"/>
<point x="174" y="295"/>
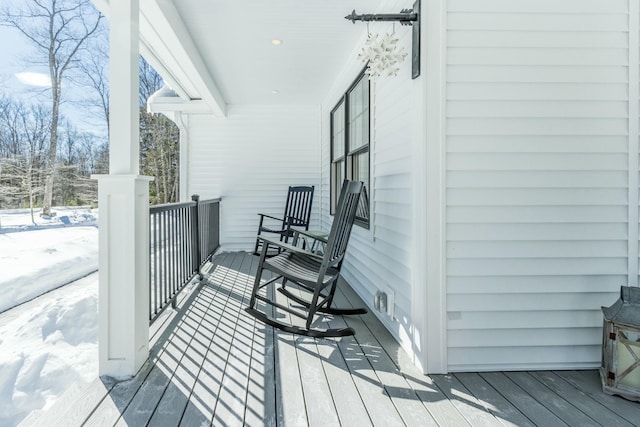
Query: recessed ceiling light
<point x="276" y="42"/>
<point x="275" y="92"/>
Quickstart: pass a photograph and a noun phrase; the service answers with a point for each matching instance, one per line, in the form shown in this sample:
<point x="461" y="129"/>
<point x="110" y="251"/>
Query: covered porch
<point x="503" y="214"/>
<point x="212" y="364"/>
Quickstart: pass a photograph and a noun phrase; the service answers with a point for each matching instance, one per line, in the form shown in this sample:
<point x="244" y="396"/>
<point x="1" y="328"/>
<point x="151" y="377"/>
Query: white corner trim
<point x="634" y="150"/>
<point x="433" y="40"/>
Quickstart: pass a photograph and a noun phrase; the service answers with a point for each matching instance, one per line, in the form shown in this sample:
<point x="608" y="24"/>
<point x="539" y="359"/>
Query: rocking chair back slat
<point x="298" y="206"/>
<point x="342" y="223"/>
<point x="297" y="213"/>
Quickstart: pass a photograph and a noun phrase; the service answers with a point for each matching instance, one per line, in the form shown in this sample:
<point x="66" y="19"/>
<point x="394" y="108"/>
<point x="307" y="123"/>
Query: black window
<point x="350" y="145"/>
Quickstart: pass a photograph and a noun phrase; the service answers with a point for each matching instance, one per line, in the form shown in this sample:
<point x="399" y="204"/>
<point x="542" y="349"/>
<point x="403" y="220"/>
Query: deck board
<point x="382" y="409"/>
<point x="215" y="373"/>
<point x="555" y="403"/>
<point x="525" y="403"/>
<point x="213" y="364"/>
<point x="440" y="410"/>
<point x="395" y="385"/>
<point x="292" y="409"/>
<point x="493" y="401"/>
<point x="589" y="383"/>
<point x="320" y="403"/>
<point x="230" y="407"/>
<point x="465" y="402"/>
<point x="260" y="408"/>
<point x="585" y="403"/>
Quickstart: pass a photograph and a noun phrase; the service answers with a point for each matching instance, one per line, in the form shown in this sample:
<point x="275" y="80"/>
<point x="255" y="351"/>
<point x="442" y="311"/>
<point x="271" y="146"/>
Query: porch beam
<point x="167" y="46"/>
<point x="168" y="104"/>
<point x="166" y="36"/>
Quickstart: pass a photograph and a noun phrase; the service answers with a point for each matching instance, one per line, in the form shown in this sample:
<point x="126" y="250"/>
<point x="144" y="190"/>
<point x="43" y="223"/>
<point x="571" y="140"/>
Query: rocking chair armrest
<point x="288" y="247"/>
<point x="269" y="216"/>
<point x="310" y="235"/>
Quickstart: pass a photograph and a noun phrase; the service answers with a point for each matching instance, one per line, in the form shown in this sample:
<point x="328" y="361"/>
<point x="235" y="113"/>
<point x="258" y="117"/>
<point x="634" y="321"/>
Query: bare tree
<point x="23" y="137"/>
<point x="159" y="142"/>
<point x="78" y="159"/>
<point x="58" y="30"/>
<point x="95" y="75"/>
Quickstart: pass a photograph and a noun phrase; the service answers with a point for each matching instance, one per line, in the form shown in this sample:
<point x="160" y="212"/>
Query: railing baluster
<point x="174" y="253"/>
<point x="165" y="257"/>
<point x="151" y="260"/>
<point x="196" y="220"/>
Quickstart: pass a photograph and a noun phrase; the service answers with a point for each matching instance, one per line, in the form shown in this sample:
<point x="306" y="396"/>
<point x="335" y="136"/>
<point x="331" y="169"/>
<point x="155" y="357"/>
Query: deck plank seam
<point x="215" y="314"/>
<point x="562" y="398"/>
<point x="290" y="337"/>
<point x="182" y="320"/>
<point x="345" y="320"/>
<point x="237" y="319"/>
<point x="601" y="408"/>
<point x="317" y="352"/>
<point x="156" y="352"/>
<point x="268" y="338"/>
<point x="153" y="359"/>
<point x="511" y="398"/>
<point x="184" y="354"/>
<point x="334" y="324"/>
<point x="362" y="320"/>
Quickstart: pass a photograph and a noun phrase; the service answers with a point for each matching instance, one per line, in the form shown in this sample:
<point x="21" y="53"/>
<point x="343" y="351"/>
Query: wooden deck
<point x="212" y="364"/>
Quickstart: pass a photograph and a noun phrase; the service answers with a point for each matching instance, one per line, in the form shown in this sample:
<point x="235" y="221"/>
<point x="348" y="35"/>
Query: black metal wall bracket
<point x="405" y="17"/>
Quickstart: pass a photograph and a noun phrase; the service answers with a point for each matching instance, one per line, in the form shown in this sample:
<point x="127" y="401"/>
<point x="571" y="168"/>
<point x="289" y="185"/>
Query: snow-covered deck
<point x="212" y="364"/>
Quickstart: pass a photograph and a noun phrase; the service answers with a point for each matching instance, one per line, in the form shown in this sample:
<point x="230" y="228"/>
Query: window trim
<point x="349" y="155"/>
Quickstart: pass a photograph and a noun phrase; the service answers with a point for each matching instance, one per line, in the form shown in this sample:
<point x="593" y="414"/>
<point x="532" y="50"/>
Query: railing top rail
<point x="170" y="206"/>
<point x="218" y="200"/>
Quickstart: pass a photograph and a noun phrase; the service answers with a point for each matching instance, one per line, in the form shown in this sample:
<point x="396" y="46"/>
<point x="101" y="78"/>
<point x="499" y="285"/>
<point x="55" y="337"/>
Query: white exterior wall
<point x="249" y="159"/>
<point x="381" y="257"/>
<point x="541" y="170"/>
<point x="541" y="98"/>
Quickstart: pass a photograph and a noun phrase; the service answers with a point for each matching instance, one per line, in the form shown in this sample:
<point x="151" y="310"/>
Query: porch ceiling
<point x="234" y="40"/>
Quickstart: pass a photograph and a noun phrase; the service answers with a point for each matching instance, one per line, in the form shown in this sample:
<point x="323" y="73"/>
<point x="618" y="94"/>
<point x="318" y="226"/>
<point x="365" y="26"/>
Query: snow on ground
<point x="50" y="342"/>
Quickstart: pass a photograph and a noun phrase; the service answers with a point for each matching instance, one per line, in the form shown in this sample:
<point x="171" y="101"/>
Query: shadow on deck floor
<point x="213" y="364"/>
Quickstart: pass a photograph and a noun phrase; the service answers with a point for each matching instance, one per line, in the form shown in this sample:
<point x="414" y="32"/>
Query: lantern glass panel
<point x="628" y="355"/>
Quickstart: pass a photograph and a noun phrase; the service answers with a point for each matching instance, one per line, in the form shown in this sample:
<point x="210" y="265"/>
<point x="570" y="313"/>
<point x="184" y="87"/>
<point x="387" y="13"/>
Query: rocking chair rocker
<point x="310" y="271"/>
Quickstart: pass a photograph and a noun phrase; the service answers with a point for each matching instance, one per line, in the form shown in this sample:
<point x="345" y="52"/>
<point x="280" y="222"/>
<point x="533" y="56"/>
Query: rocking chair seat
<point x="273" y="230"/>
<point x="300" y="268"/>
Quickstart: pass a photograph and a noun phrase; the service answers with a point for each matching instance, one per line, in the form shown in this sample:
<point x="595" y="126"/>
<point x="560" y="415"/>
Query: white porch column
<point x="124" y="211"/>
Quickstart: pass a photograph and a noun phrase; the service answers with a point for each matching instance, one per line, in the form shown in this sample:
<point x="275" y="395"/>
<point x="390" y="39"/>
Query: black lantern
<point x="620" y="371"/>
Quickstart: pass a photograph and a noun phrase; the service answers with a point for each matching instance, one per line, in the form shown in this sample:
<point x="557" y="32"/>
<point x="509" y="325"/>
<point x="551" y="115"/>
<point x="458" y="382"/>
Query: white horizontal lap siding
<point x="380" y="258"/>
<point x="537" y="179"/>
<point x="250" y="158"/>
